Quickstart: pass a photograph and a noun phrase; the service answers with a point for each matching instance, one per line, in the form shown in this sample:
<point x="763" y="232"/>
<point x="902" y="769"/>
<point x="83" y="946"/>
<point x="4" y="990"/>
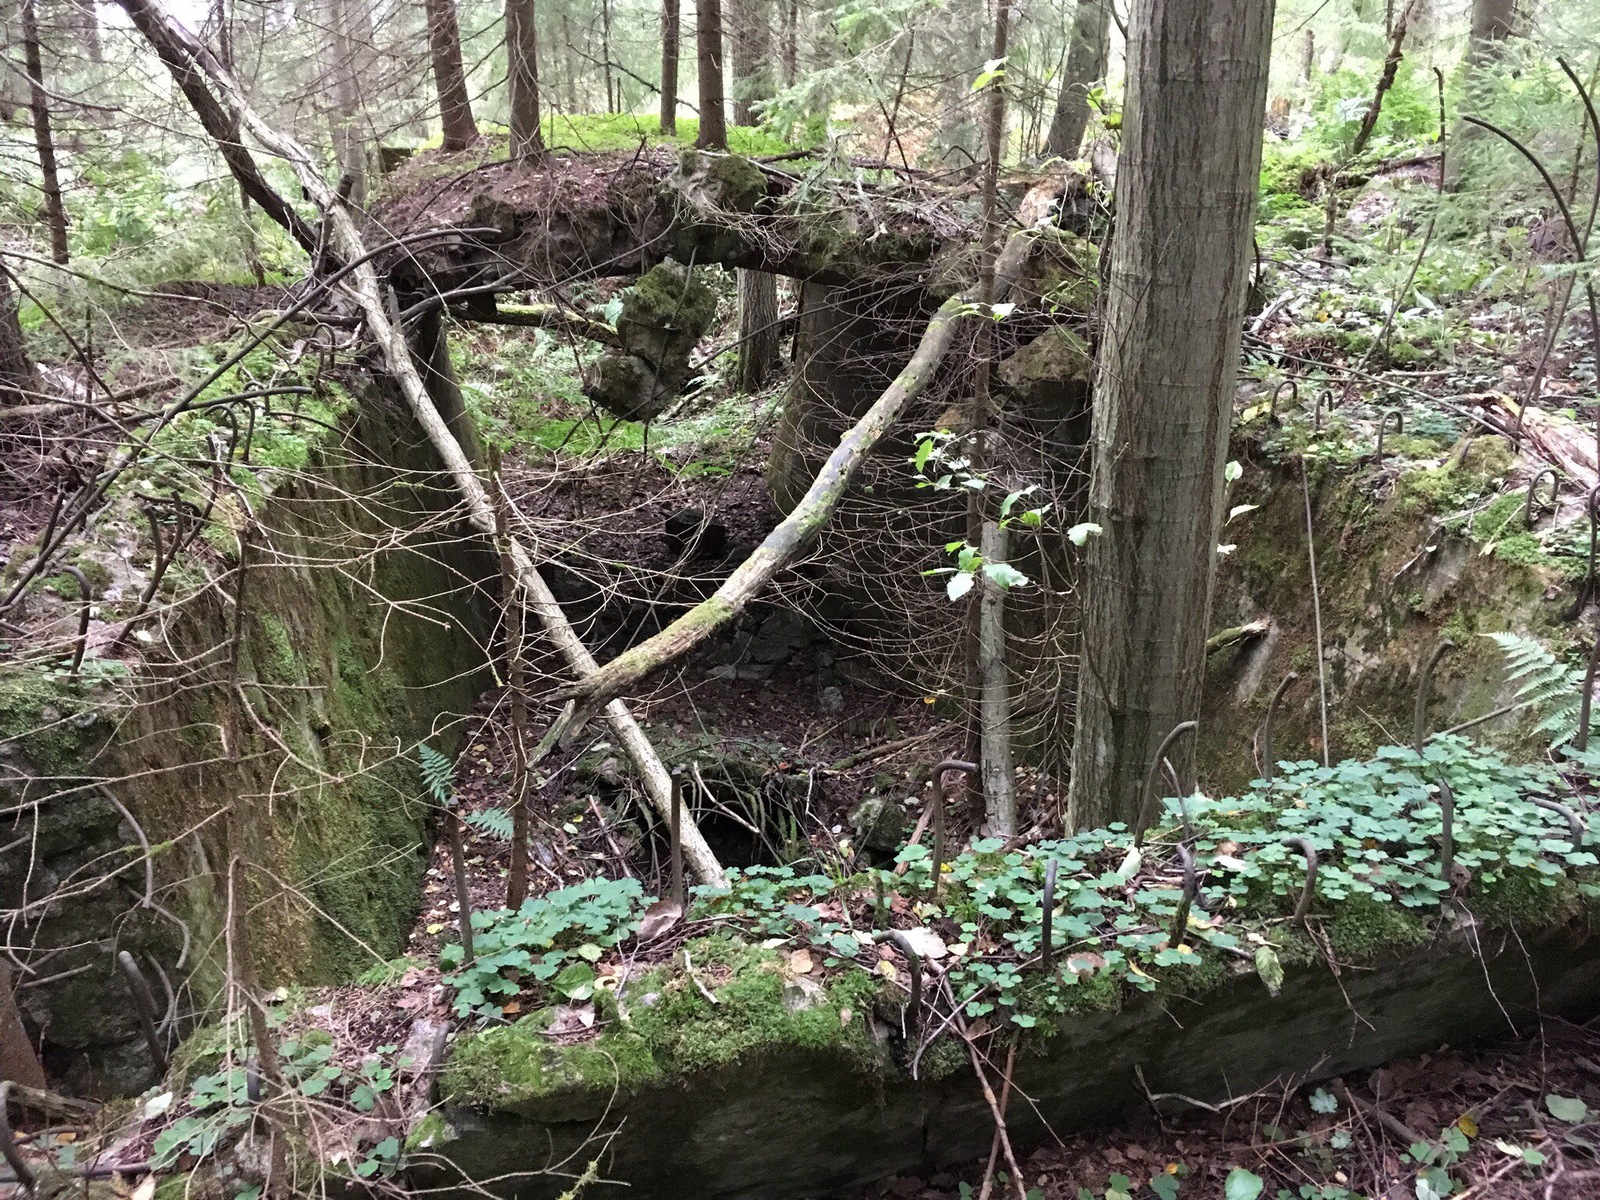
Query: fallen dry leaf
<point x="659" y="918"/>
<point x="800" y="962"/>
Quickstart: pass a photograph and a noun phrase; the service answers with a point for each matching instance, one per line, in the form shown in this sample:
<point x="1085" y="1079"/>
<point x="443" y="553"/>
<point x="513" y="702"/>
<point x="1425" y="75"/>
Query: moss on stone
<point x="1362" y="928"/>
<point x="1528" y="899"/>
<point x="667" y="1029"/>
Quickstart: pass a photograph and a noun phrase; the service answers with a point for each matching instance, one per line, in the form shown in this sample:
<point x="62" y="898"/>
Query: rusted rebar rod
<point x="1145" y="815"/>
<point x="939" y="768"/>
<point x="144" y="1007"/>
<point x="86" y="602"/>
<point x="1308" y="892"/>
<point x="1268" y="761"/>
<point x="1419" y="717"/>
<point x="1554" y="477"/>
<point x="914" y="965"/>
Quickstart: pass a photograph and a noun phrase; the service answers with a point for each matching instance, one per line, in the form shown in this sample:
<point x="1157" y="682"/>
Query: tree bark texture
<point x="1086" y="66"/>
<point x="758" y="329"/>
<point x="753" y="77"/>
<point x="522" y="58"/>
<point x="1186" y="192"/>
<point x="450" y="76"/>
<point x="1493" y="24"/>
<point x="55" y="215"/>
<point x="671" y="26"/>
<point x="791" y="42"/>
<point x="350" y="40"/>
<point x="17" y="375"/>
<point x="19" y="1062"/>
<point x="708" y="48"/>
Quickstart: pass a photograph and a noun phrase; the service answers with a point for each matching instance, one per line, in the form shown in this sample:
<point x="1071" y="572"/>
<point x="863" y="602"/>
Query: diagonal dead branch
<point x="362" y="282"/>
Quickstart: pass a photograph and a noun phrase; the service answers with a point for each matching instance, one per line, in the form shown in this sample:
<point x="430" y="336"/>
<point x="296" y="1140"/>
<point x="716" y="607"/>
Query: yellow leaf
<point x="886" y="969"/>
<point x="1171" y="1168"/>
<point x="511" y="1008"/>
<point x="800" y="962"/>
<point x="930" y="699"/>
<point x="435" y="928"/>
<point x="1467" y="1125"/>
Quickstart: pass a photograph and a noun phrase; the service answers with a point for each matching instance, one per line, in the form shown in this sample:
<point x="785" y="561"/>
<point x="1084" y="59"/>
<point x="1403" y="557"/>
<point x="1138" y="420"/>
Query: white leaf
<point x="1238" y="510"/>
<point x="1232" y="471"/>
<point x="1005" y="575"/>
<point x="1079" y="534"/>
<point x="1224" y="550"/>
<point x="959" y="585"/>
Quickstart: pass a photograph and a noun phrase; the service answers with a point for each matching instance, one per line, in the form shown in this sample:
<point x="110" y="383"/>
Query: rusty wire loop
<point x="1586" y="588"/>
<point x="1419" y="715"/>
<point x="8" y="1142"/>
<point x="1383" y="426"/>
<point x="939" y="768"/>
<point x="1324" y="400"/>
<point x="1145" y="815"/>
<point x="1575" y="823"/>
<point x="914" y="964"/>
<point x="1294" y="396"/>
<point x="1554" y="477"/>
<point x="1268" y="762"/>
<point x="1308" y="892"/>
<point x="1049" y="900"/>
<point x="144" y="1007"/>
<point x="678" y="893"/>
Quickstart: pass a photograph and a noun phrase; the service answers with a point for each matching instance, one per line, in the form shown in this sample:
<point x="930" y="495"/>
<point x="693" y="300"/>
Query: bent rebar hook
<point x="1554" y="477"/>
<point x="939" y="768"/>
<point x="1145" y="815"/>
<point x="914" y="963"/>
<point x="1268" y="762"/>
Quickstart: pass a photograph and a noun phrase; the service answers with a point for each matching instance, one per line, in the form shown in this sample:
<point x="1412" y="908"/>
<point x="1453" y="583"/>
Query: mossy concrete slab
<point x="782" y="1121"/>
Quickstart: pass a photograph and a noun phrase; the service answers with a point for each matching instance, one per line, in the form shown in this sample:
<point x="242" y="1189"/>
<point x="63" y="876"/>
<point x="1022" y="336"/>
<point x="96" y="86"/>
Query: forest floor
<point x="818" y="726"/>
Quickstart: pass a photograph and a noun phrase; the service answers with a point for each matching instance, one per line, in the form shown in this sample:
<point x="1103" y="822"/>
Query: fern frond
<point x="1546" y="684"/>
<point x="438" y="773"/>
<point x="496" y="822"/>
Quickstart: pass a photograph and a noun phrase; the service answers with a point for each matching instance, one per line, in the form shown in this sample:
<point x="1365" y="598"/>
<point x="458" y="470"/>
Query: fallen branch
<point x="783" y="545"/>
<point x="161" y="29"/>
<point x="1239" y="633"/>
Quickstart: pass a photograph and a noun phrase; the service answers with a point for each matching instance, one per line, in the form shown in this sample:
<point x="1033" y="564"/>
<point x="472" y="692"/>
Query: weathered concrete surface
<point x="793" y="1124"/>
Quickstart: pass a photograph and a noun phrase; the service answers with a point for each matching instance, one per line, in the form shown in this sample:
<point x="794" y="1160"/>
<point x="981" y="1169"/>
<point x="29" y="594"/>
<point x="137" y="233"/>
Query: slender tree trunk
<point x="350" y="39"/>
<point x="708" y="48"/>
<point x="613" y="98"/>
<point x="17" y="374"/>
<point x="1493" y="24"/>
<point x="753" y="77"/>
<point x="791" y="42"/>
<point x="19" y="1062"/>
<point x="671" y="24"/>
<point x="522" y="58"/>
<point x="758" y="290"/>
<point x="1086" y="66"/>
<point x="758" y="328"/>
<point x="86" y="25"/>
<point x="55" y="215"/>
<point x="450" y="76"/>
<point x="1186" y="190"/>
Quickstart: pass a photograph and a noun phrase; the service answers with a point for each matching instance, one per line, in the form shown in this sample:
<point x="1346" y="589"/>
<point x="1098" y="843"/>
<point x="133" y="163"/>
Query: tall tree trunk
<point x="752" y="51"/>
<point x="1086" y="66"/>
<point x="758" y="328"/>
<point x="450" y="76"/>
<point x="1493" y="23"/>
<point x="55" y="215"/>
<point x="522" y="59"/>
<point x="350" y="39"/>
<point x="85" y="23"/>
<point x="758" y="290"/>
<point x="791" y="42"/>
<point x="613" y="95"/>
<point x="1186" y="191"/>
<point x="708" y="49"/>
<point x="18" y="379"/>
<point x="671" y="25"/>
